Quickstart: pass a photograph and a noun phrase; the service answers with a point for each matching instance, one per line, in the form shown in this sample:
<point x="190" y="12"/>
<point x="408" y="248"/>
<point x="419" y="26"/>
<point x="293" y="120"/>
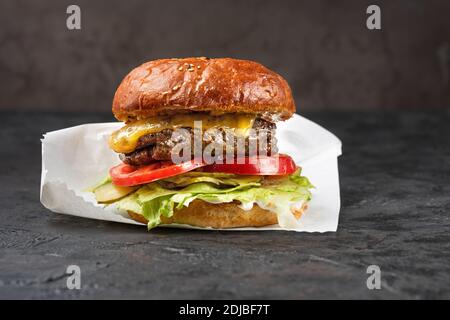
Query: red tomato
<point x="126" y="175"/>
<point x="269" y="166"/>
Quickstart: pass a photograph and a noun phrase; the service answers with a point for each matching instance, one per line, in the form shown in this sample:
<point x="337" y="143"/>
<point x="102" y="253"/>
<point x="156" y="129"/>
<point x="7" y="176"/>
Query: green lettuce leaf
<point x="130" y="203"/>
<point x="272" y="193"/>
<point x="153" y="210"/>
<point x="210" y="177"/>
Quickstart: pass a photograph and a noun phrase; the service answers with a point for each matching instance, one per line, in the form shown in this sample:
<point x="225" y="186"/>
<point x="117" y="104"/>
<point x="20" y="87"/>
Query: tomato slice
<point x="280" y="164"/>
<point x="126" y="175"/>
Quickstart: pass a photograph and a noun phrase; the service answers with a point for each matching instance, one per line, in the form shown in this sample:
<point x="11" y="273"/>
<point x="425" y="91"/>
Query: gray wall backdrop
<point x="323" y="49"/>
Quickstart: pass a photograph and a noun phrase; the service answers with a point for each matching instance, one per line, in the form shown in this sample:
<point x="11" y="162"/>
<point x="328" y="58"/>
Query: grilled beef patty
<point x="158" y="146"/>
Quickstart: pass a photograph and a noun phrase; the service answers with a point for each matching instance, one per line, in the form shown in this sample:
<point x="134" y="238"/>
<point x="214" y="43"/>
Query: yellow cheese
<point x="125" y="139"/>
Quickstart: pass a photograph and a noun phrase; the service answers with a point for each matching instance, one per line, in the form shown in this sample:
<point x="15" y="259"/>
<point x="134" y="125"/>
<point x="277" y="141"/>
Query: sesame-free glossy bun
<point x="217" y="86"/>
<point x="221" y="216"/>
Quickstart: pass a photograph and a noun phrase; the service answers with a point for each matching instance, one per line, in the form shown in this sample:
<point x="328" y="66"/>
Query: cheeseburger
<point x="198" y="146"/>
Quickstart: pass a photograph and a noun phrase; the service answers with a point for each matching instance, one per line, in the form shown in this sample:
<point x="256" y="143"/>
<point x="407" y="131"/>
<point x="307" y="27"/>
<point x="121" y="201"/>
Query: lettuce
<point x="211" y="177"/>
<point x="276" y="194"/>
<point x="130" y="203"/>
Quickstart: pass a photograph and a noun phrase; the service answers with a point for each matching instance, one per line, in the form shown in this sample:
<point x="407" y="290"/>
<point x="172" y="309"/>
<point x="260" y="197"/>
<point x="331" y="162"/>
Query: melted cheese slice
<point x="126" y="138"/>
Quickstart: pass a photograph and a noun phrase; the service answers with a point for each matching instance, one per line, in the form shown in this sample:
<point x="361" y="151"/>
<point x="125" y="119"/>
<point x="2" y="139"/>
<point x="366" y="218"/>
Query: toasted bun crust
<point x="218" y="86"/>
<point x="224" y="215"/>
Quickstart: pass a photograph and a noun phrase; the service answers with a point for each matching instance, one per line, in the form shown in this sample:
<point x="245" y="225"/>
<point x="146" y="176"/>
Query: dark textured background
<point x="323" y="48"/>
<point x="393" y="173"/>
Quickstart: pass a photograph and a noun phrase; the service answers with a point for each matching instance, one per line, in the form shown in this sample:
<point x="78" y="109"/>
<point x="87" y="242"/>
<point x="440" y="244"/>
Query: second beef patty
<point x="158" y="146"/>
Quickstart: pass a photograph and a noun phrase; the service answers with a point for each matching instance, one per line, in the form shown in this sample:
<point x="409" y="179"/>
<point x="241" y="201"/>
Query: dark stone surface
<point x="395" y="213"/>
<point x="322" y="47"/>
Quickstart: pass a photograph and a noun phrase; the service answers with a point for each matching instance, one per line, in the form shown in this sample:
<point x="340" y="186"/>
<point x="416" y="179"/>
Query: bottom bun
<point x="223" y="215"/>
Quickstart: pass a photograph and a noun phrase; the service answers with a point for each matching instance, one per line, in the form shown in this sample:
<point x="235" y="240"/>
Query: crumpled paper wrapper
<point x="76" y="158"/>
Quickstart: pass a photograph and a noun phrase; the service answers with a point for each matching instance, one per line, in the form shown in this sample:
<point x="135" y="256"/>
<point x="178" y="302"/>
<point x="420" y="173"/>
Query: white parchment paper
<point x="76" y="158"/>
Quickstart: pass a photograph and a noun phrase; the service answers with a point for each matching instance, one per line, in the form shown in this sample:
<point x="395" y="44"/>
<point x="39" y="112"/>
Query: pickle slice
<point x="108" y="192"/>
